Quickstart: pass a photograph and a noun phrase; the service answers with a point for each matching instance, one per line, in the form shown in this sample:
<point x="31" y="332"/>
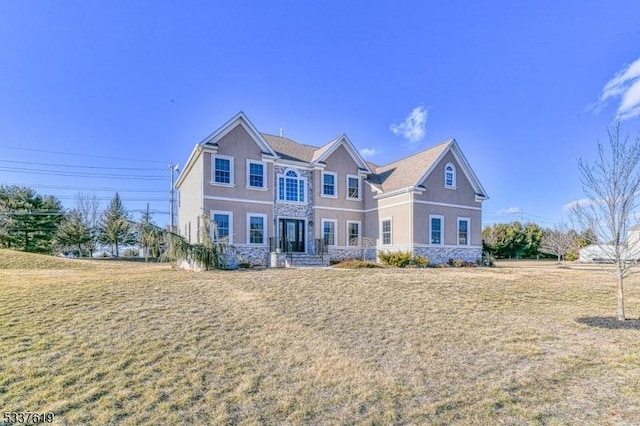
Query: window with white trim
<point x="329" y="184"/>
<point x="222" y="169"/>
<point x="449" y="176"/>
<point x="291" y="187"/>
<point x="463" y="231"/>
<point x="255" y="174"/>
<point x="436" y="234"/>
<point x="353" y="232"/>
<point x="353" y="187"/>
<point x="329" y="232"/>
<point x="256" y="224"/>
<point x="385" y="231"/>
<point x="222" y="226"/>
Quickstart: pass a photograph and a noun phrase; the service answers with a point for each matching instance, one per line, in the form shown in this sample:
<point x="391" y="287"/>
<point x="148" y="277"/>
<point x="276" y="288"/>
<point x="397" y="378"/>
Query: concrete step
<point x="306" y="260"/>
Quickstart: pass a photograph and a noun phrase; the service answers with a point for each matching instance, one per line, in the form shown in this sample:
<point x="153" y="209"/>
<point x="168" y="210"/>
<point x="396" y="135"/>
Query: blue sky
<point x="525" y="88"/>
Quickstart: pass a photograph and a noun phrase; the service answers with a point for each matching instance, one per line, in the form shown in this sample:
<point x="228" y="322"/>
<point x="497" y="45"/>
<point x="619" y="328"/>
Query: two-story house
<point x="268" y="194"/>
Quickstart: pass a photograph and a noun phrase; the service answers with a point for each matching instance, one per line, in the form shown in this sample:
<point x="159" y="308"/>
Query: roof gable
<point x="324" y="152"/>
<point x="239" y="119"/>
<point x="464" y="166"/>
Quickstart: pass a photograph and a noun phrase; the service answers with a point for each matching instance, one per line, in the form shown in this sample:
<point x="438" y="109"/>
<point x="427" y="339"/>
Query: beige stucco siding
<point x="342" y="164"/>
<point x="397" y="208"/>
<point x="451" y="214"/>
<point x="341" y="218"/>
<point x="239" y="212"/>
<point x="239" y="145"/>
<point x="463" y="194"/>
<point x="190" y="201"/>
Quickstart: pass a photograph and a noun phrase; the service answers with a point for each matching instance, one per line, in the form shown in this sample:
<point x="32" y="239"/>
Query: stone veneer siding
<point x="438" y="255"/>
<point x="296" y="210"/>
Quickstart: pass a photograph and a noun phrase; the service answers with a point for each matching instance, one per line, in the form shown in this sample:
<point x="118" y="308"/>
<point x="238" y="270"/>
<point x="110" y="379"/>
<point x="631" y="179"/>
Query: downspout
<point x="411" y="223"/>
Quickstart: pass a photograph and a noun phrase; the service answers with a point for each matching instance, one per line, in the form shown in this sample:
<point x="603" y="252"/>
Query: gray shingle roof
<point x="407" y="171"/>
<point x="400" y="174"/>
<point x="289" y="149"/>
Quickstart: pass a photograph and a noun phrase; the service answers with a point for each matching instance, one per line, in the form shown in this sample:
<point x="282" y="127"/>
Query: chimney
<point x="281" y="132"/>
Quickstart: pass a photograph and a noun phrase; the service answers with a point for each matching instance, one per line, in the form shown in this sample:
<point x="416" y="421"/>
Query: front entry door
<point x="292" y="235"/>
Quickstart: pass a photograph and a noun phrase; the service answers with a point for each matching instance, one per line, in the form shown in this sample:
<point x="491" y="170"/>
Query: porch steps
<point x="301" y="260"/>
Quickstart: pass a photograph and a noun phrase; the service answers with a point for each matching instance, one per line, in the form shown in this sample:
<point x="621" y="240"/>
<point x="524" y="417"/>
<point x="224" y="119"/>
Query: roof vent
<point x="281" y="132"/>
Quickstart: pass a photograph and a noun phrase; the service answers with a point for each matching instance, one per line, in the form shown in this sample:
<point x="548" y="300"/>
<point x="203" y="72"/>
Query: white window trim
<point x="436" y="216"/>
<point x="231" y="170"/>
<point x="335" y="230"/>
<point x="359" y="188"/>
<point x="264" y="229"/>
<point x="300" y="178"/>
<point x="468" y="231"/>
<point x="214" y="212"/>
<point x="454" y="176"/>
<point x="384" y="219"/>
<point x="359" y="231"/>
<point x="264" y="175"/>
<point x="335" y="185"/>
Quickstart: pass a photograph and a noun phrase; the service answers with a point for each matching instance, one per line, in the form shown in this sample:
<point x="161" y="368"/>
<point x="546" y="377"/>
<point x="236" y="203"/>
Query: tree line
<point x="526" y="241"/>
<point x="38" y="223"/>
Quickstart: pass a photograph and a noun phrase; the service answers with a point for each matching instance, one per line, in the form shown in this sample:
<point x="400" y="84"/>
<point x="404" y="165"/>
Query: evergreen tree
<point x="73" y="232"/>
<point x="115" y="227"/>
<point x="29" y="220"/>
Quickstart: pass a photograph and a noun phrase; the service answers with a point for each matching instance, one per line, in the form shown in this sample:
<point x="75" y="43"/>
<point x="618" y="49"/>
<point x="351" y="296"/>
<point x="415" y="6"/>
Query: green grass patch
<point x="136" y="343"/>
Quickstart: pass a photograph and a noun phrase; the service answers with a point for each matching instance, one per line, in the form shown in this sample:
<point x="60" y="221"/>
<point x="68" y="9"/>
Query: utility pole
<point x="172" y="217"/>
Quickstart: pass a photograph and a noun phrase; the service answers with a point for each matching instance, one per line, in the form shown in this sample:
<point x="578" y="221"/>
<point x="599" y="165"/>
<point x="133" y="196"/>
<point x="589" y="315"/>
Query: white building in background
<point x="604" y="253"/>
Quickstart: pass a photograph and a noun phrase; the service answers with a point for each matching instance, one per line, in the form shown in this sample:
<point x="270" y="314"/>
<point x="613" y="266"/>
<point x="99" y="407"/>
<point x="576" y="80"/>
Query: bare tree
<point x="559" y="241"/>
<point x="611" y="185"/>
<point x="365" y="244"/>
<point x="88" y="206"/>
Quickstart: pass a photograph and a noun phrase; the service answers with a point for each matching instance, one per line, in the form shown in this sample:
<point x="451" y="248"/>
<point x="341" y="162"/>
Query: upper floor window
<point x="291" y="187"/>
<point x="223" y="169"/>
<point x="450" y="176"/>
<point x="463" y="231"/>
<point x="353" y="187"/>
<point x="329" y="184"/>
<point x="255" y="174"/>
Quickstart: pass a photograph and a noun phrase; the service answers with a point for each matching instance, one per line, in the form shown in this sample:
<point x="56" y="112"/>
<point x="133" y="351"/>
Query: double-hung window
<point x="435" y="229"/>
<point x="256" y="228"/>
<point x="255" y="174"/>
<point x="329" y="184"/>
<point x="223" y="169"/>
<point x="353" y="233"/>
<point x="291" y="187"/>
<point x="463" y="231"/>
<point x="329" y="232"/>
<point x="222" y="226"/>
<point x="385" y="231"/>
<point x="353" y="187"/>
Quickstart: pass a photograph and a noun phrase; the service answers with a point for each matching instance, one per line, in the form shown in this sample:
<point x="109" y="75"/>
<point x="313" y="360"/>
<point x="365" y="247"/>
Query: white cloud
<point x="413" y="128"/>
<point x="510" y="210"/>
<point x="626" y="86"/>
<point x="582" y="202"/>
<point x="368" y="152"/>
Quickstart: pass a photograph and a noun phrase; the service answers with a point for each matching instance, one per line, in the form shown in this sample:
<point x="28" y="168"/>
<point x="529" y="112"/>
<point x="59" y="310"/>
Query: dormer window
<point x="449" y="176"/>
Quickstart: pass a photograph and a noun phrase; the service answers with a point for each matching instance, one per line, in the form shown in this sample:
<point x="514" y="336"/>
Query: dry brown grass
<point x="124" y="343"/>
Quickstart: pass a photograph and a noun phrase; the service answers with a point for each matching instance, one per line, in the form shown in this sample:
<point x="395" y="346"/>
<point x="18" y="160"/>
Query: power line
<point x="81" y="155"/>
<point x="87" y="175"/>
<point x="155" y="169"/>
<point x="82" y="188"/>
